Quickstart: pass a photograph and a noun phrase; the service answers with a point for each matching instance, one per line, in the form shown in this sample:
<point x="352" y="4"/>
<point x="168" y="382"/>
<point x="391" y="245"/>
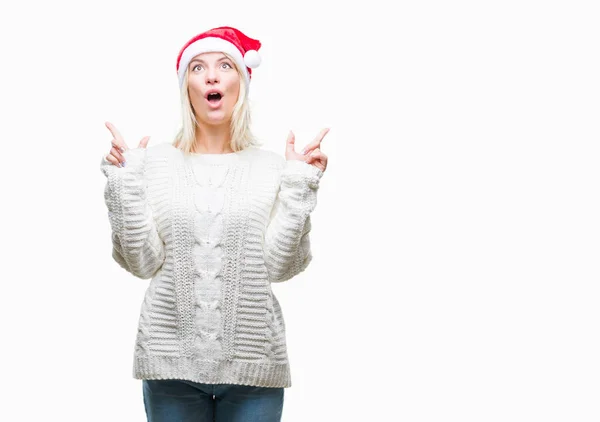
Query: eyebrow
<point x="202" y="61"/>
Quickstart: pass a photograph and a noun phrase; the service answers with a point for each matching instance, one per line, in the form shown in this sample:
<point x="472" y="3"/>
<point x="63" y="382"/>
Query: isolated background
<point x="456" y="237"/>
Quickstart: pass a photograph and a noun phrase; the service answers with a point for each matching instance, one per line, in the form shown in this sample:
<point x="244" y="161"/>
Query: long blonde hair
<point x="241" y="135"/>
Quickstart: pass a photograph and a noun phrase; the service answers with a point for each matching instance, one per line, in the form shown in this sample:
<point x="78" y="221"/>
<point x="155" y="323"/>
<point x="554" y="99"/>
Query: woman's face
<point x="213" y="87"/>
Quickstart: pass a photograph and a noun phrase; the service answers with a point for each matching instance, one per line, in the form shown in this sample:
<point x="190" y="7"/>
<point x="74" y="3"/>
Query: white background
<point x="456" y="237"/>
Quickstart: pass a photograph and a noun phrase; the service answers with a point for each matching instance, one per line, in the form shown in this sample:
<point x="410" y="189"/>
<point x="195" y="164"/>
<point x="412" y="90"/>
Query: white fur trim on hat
<point x="209" y="45"/>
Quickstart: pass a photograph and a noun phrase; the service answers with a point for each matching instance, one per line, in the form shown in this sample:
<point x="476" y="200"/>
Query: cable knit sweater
<point x="211" y="231"/>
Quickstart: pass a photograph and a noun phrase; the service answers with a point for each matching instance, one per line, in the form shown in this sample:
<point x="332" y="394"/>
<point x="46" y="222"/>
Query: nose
<point x="211" y="76"/>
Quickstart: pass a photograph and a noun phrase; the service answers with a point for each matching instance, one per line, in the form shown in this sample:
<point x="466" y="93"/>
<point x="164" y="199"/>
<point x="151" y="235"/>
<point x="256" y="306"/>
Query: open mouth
<point x="214" y="97"/>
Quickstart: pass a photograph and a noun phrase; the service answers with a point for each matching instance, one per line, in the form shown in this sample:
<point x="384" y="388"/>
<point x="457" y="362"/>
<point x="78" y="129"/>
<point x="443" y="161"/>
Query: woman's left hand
<point x="311" y="154"/>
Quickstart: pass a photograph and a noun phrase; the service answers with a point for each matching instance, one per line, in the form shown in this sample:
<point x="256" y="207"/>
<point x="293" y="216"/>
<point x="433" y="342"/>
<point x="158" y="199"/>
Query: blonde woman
<point x="212" y="220"/>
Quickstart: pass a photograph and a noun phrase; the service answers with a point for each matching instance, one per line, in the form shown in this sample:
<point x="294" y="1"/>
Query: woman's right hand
<point x="115" y="156"/>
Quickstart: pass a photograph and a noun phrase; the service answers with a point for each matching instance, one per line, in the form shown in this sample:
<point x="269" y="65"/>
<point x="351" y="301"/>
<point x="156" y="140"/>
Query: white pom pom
<point x="252" y="59"/>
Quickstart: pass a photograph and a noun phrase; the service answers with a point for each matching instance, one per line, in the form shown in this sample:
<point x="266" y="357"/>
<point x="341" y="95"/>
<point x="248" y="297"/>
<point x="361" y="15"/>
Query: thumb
<point x="144" y="142"/>
<point x="291" y="140"/>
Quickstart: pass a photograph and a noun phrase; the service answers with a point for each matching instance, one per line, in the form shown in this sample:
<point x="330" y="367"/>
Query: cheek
<point x="194" y="92"/>
<point x="233" y="96"/>
<point x="195" y="95"/>
<point x="233" y="86"/>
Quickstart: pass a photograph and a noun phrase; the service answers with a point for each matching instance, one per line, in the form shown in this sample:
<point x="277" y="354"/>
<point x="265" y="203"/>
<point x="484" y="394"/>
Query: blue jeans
<point x="187" y="401"/>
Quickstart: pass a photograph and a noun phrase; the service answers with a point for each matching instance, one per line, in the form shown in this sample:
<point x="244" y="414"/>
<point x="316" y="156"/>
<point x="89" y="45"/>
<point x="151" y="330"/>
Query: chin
<point x="215" y="120"/>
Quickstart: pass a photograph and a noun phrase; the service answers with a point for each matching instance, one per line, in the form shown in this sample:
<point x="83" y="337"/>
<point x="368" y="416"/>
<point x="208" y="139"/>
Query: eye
<point x="194" y="68"/>
<point x="228" y="65"/>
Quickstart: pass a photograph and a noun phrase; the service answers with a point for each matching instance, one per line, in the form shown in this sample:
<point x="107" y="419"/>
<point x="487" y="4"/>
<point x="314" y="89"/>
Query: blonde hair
<point x="241" y="135"/>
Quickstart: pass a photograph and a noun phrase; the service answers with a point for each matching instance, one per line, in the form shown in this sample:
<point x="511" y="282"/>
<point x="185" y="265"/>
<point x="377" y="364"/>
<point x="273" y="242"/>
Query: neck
<point x="212" y="139"/>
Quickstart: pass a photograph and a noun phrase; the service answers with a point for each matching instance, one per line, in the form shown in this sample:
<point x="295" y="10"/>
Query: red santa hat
<point x="224" y="39"/>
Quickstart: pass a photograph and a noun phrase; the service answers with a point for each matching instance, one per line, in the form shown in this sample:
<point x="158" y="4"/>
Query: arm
<point x="137" y="246"/>
<point x="287" y="243"/>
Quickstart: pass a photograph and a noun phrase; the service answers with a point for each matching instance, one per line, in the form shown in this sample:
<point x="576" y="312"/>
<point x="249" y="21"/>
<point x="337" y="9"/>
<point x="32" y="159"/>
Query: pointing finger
<point x="321" y="135"/>
<point x="117" y="146"/>
<point x="317" y="141"/>
<point x="115" y="132"/>
<point x="120" y="142"/>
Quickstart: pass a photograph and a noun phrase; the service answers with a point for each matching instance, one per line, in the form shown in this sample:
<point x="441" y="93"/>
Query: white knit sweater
<point x="212" y="231"/>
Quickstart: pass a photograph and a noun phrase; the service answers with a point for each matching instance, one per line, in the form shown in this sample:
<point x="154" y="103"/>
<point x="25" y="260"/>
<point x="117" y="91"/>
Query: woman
<point x="212" y="220"/>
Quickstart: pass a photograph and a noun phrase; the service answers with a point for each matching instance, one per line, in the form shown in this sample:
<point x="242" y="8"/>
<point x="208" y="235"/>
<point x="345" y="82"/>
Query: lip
<point x="214" y="105"/>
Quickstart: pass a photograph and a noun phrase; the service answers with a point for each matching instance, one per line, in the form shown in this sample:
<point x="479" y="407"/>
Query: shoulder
<point x="162" y="150"/>
<point x="266" y="157"/>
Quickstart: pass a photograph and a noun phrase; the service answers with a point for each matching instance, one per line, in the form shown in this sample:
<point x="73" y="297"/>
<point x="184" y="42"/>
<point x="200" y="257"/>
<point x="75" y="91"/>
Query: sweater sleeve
<point x="287" y="242"/>
<point x="137" y="246"/>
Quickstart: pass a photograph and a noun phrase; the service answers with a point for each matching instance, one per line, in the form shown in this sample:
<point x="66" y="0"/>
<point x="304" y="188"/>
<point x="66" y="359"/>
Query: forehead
<point x="209" y="56"/>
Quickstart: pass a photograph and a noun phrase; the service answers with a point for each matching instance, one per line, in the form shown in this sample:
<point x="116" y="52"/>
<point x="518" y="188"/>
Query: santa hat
<point x="225" y="39"/>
